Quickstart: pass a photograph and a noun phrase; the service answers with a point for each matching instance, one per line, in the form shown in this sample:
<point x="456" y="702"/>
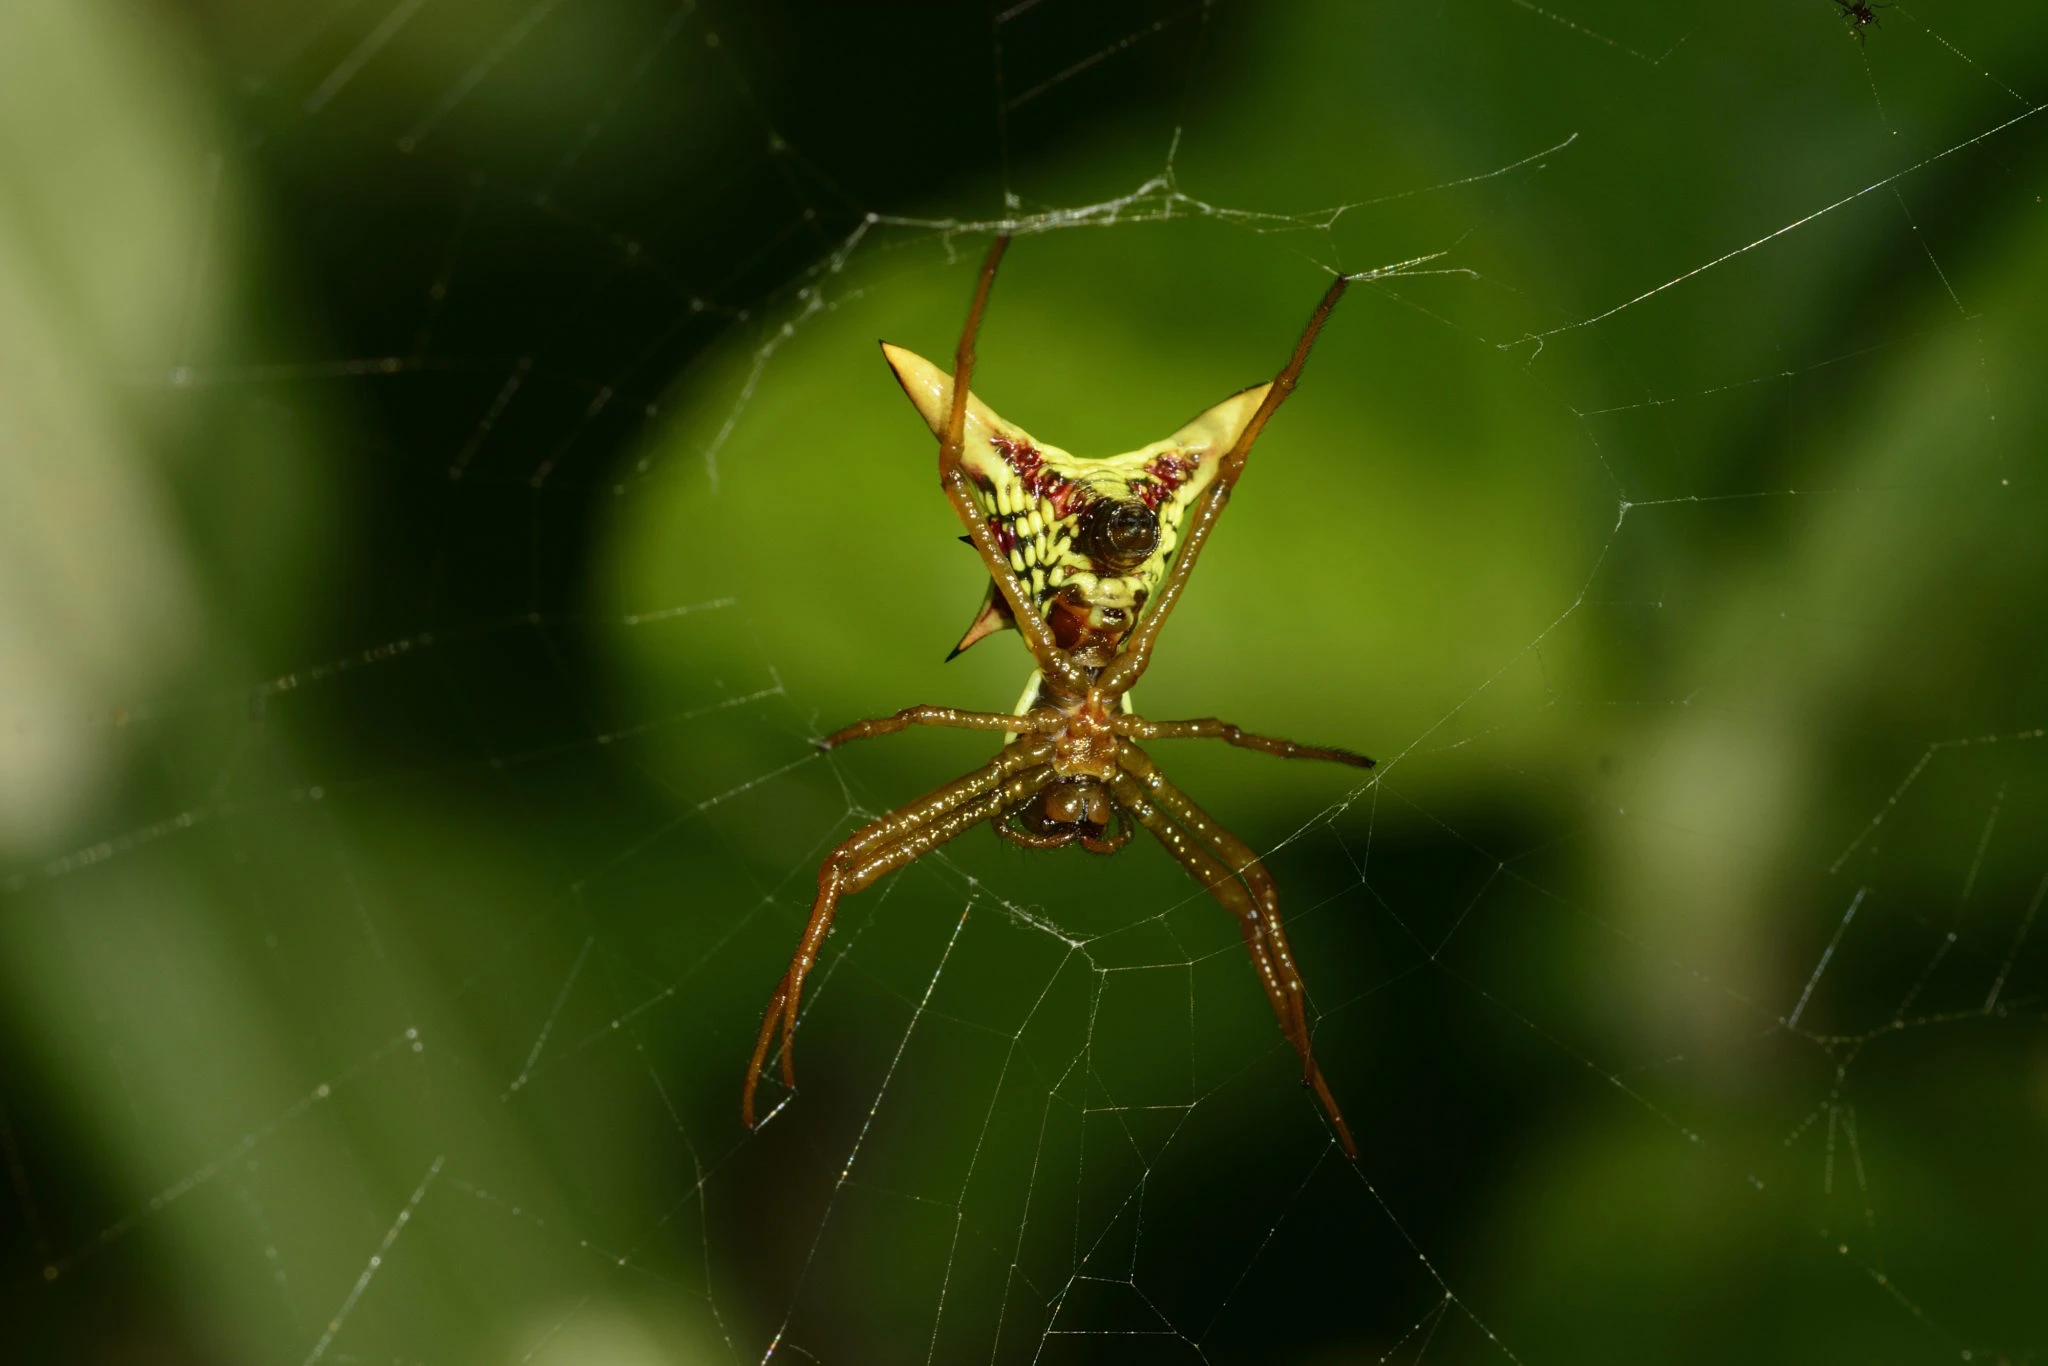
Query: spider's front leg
<point x="1232" y="873"/>
<point x="901" y="837"/>
<point x="959" y="490"/>
<point x="1123" y="674"/>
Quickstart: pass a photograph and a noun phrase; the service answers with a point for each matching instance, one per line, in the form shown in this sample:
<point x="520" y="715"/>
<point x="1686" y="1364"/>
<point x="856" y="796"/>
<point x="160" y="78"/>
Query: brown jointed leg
<point x="1210" y="728"/>
<point x="1241" y="859"/>
<point x="1211" y="873"/>
<point x="904" y="835"/>
<point x="1249" y="898"/>
<point x="952" y="717"/>
<point x="1124" y="673"/>
<point x="1038" y="636"/>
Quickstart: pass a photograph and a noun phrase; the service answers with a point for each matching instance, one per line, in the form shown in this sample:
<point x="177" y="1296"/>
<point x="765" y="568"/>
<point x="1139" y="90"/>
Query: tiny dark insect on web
<point x="1086" y="559"/>
<point x="1862" y="15"/>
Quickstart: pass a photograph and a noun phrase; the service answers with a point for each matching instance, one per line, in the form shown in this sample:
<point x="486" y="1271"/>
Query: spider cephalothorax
<point x="1086" y="558"/>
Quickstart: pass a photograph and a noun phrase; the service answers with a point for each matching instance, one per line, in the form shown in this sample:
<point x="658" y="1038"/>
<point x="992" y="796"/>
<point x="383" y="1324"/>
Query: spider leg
<point x="952" y="717"/>
<point x="1209" y="728"/>
<point x="1038" y="636"/>
<point x="1234" y="876"/>
<point x="904" y="835"/>
<point x="1124" y="672"/>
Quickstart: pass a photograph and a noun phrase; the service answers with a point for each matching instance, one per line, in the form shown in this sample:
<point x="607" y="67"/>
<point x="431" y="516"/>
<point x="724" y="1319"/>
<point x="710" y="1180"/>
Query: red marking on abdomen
<point x="1168" y="473"/>
<point x="1038" y="481"/>
<point x="1168" y="470"/>
<point x="1020" y="456"/>
<point x="1065" y="496"/>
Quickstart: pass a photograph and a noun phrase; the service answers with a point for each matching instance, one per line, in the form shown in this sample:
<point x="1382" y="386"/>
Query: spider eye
<point x="1119" y="535"/>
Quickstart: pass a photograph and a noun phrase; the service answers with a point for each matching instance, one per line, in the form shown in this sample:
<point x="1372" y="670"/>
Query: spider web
<point x="453" y="486"/>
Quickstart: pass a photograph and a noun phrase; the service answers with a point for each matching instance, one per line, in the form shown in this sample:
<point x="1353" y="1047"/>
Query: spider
<point x="1077" y="550"/>
<point x="1861" y="15"/>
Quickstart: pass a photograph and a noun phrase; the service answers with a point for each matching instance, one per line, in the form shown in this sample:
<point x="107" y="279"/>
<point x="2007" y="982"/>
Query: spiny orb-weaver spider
<point x="1076" y="549"/>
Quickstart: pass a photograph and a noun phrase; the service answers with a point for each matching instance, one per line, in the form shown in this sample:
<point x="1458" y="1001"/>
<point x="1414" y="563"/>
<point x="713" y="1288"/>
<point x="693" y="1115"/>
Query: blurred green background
<point x="449" y="480"/>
